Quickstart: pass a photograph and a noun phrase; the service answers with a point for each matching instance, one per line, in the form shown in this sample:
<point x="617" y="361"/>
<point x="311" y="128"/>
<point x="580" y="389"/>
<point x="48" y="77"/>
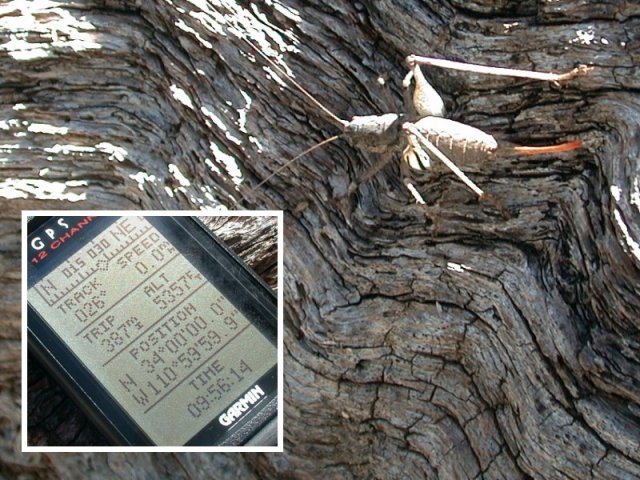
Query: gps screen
<point x="166" y="344"/>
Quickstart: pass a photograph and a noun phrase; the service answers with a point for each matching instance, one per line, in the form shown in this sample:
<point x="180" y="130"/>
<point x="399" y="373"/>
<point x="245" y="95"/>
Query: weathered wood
<point x="437" y="342"/>
<point x="53" y="418"/>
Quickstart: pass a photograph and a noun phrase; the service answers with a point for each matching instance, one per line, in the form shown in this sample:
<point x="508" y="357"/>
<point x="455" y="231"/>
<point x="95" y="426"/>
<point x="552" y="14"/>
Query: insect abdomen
<point x="456" y="140"/>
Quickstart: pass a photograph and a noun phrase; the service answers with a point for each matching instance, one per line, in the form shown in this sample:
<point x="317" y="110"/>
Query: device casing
<point x="222" y="268"/>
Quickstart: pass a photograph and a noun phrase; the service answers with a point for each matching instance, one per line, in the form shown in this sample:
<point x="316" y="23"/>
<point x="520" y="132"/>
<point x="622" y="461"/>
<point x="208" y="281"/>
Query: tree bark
<point x="437" y="341"/>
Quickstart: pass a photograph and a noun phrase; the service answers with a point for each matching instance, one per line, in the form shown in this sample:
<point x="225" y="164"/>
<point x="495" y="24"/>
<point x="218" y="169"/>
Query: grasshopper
<point x="424" y="131"/>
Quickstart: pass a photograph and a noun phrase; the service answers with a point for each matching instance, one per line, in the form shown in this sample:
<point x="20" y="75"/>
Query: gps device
<point x="157" y="330"/>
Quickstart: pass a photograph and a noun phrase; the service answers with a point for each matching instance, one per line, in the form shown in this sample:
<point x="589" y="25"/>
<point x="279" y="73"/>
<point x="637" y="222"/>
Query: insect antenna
<point x="308" y="150"/>
<point x="340" y="122"/>
<point x="302" y="90"/>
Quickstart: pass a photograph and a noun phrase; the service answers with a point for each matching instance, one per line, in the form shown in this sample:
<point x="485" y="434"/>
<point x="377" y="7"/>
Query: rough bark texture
<point x="442" y="341"/>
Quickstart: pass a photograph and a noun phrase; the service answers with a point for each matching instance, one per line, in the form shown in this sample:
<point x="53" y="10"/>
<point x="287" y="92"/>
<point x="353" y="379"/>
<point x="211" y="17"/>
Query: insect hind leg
<point x="418" y="142"/>
<point x="406" y="180"/>
<point x="415" y="154"/>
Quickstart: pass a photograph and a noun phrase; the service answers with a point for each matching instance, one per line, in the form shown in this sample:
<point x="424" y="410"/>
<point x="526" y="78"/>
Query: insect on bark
<point x="424" y="132"/>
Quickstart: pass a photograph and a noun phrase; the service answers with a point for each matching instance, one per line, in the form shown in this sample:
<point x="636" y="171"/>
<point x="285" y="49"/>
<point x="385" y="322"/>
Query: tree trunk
<point x="421" y="341"/>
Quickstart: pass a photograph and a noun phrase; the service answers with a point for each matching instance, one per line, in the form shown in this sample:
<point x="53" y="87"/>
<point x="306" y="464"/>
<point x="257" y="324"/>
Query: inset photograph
<point x="161" y="328"/>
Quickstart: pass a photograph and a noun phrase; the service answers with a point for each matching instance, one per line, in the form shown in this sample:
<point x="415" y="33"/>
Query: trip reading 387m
<point x="164" y="341"/>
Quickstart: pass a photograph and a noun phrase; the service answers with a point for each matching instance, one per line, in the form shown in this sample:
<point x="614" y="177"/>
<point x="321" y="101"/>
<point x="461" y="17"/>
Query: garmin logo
<point x="241" y="406"/>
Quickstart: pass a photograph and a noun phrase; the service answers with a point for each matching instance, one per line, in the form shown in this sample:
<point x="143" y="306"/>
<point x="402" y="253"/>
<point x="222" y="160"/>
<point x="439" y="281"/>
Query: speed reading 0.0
<point x="162" y="328"/>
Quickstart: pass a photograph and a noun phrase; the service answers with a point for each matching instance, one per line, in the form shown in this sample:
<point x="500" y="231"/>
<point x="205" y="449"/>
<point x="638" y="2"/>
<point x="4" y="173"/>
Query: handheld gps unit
<point x="157" y="330"/>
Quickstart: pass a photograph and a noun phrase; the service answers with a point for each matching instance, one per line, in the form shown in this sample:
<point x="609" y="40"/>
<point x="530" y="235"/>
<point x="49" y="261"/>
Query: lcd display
<point x="165" y="343"/>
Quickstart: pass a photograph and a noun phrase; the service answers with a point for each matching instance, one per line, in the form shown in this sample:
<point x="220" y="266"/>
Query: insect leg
<point x="404" y="167"/>
<point x="414" y="150"/>
<point x="407" y="94"/>
<point x="411" y="129"/>
<point x="412" y="60"/>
